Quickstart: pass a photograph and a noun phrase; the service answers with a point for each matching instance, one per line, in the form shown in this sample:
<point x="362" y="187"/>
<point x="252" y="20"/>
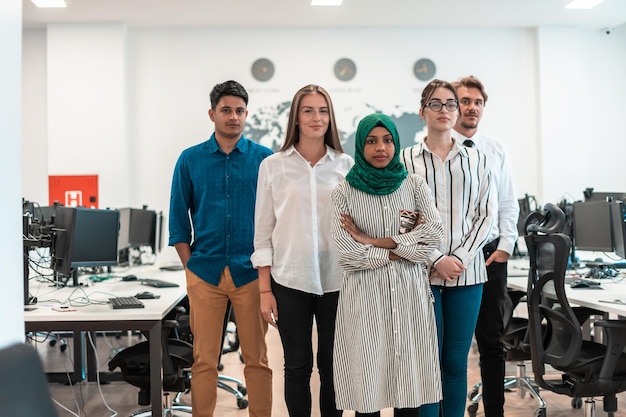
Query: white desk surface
<point x="611" y="289"/>
<point x="79" y="298"/>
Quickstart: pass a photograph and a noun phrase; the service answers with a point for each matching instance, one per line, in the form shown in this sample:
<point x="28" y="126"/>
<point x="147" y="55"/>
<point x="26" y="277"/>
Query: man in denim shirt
<point x="211" y="225"/>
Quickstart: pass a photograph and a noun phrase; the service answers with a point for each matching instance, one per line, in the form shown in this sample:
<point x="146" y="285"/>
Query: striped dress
<point x="385" y="352"/>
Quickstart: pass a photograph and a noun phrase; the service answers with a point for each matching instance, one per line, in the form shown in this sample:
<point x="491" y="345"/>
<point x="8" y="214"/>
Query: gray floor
<point x="89" y="399"/>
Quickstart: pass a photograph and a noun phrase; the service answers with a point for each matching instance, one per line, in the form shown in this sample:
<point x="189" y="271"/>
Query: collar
<point x="460" y="149"/>
<point x="242" y="144"/>
<point x="462" y="138"/>
<point x="330" y="152"/>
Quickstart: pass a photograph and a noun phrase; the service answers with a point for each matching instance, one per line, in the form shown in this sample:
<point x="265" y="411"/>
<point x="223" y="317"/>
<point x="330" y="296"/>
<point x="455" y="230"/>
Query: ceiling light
<point x="49" y="3"/>
<point x="583" y="4"/>
<point x="326" y="2"/>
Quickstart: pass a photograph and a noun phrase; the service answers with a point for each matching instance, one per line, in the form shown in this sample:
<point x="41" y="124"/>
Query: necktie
<point x="469" y="143"/>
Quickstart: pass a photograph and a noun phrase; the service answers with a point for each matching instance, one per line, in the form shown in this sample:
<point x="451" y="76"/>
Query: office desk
<point x="102" y="317"/>
<point x="612" y="289"/>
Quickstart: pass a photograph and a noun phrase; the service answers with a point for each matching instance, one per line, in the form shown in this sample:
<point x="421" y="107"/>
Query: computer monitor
<point x="592" y="226"/>
<point x="527" y="205"/>
<point x="137" y="228"/>
<point x="618" y="220"/>
<point x="591" y="195"/>
<point x="84" y="238"/>
<point x="45" y="215"/>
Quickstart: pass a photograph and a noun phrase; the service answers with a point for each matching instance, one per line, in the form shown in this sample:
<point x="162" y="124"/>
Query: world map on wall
<point x="266" y="125"/>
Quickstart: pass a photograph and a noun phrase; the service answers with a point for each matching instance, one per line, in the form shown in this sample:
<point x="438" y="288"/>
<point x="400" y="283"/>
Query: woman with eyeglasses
<point x="460" y="182"/>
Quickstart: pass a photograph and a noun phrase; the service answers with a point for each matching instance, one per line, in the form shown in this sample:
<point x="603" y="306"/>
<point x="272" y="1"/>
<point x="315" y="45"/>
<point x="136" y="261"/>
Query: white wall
<point x="581" y="94"/>
<point x="155" y="84"/>
<point x="11" y="308"/>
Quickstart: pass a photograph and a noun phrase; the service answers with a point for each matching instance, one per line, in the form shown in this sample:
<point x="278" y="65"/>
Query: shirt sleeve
<point x="508" y="207"/>
<point x="180" y="203"/>
<point x="264" y="219"/>
<point x="485" y="212"/>
<point x="419" y="244"/>
<point x="353" y="256"/>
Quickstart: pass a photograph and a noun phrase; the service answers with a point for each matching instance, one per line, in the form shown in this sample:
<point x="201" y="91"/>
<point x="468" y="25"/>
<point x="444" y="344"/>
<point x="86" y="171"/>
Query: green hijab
<point x="363" y="176"/>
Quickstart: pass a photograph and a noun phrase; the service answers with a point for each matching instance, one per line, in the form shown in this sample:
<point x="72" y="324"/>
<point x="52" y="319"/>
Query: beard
<point x="469" y="125"/>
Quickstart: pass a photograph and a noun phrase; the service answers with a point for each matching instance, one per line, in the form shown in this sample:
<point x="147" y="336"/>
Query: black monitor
<point x="527" y="205"/>
<point x="45" y="215"/>
<point x="84" y="238"/>
<point x="618" y="220"/>
<point x="137" y="228"/>
<point x="592" y="226"/>
<point x="591" y="195"/>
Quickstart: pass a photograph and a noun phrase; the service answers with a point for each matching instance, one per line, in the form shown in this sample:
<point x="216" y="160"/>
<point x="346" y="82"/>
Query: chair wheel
<point x="472" y="409"/>
<point x="472" y="394"/>
<point x="577" y="403"/>
<point x="540" y="412"/>
<point x="242" y="403"/>
<point x="242" y="389"/>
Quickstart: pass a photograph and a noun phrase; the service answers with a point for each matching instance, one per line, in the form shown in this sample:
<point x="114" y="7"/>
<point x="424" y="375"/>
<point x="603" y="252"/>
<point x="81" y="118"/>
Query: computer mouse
<point x="130" y="277"/>
<point x="145" y="295"/>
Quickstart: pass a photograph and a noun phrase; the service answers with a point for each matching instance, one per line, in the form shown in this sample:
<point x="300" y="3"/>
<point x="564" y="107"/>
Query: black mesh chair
<point x="586" y="369"/>
<point x="134" y="363"/>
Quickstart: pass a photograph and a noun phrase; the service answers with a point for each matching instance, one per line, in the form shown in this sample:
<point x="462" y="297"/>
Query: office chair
<point x="516" y="338"/>
<point x="134" y="363"/>
<point x="23" y="384"/>
<point x="587" y="369"/>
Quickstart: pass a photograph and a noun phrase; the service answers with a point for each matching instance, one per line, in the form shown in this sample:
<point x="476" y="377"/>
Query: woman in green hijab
<point x="385" y="227"/>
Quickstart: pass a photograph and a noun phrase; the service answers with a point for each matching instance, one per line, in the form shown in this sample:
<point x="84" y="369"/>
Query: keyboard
<point x="157" y="283"/>
<point x="126" y="302"/>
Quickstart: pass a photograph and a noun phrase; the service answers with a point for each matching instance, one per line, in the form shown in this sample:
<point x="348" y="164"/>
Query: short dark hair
<point x="471" y="82"/>
<point x="227" y="88"/>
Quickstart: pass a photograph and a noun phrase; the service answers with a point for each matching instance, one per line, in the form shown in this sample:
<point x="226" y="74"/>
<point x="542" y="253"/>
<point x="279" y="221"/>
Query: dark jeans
<point x="489" y="331"/>
<point x="296" y="310"/>
<point x="397" y="412"/>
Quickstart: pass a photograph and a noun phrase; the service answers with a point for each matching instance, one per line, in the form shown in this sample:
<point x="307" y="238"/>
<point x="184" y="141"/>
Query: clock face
<point x="424" y="69"/>
<point x="345" y="69"/>
<point x="262" y="69"/>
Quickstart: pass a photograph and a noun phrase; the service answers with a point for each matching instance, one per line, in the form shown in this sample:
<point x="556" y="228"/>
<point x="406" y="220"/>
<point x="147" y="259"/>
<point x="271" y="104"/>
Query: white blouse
<point x="293" y="220"/>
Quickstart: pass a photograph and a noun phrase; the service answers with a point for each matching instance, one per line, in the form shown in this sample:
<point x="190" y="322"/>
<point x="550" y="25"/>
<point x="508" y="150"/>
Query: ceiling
<point x="353" y="13"/>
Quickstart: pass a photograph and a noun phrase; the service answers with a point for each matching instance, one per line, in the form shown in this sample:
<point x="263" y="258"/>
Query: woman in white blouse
<point x="461" y="187"/>
<point x="385" y="226"/>
<point x="299" y="275"/>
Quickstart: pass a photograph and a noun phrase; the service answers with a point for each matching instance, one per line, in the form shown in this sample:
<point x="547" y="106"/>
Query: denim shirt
<point x="212" y="208"/>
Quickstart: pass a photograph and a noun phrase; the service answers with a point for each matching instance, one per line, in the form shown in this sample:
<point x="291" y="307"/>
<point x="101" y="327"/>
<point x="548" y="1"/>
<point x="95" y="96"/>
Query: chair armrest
<point x="615" y="331"/>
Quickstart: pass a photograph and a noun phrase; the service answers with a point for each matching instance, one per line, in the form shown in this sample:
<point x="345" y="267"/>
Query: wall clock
<point x="345" y="69"/>
<point x="424" y="69"/>
<point x="262" y="69"/>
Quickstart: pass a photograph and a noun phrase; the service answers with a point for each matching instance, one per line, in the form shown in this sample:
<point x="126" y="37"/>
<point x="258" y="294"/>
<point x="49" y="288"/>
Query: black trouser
<point x="397" y="412"/>
<point x="296" y="310"/>
<point x="489" y="331"/>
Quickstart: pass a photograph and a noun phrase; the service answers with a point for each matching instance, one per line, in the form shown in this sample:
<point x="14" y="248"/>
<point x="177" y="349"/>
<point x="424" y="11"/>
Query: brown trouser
<point x="207" y="305"/>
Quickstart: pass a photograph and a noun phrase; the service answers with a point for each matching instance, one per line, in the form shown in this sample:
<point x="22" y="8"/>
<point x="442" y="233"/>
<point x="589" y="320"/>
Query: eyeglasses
<point x="436" y="106"/>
